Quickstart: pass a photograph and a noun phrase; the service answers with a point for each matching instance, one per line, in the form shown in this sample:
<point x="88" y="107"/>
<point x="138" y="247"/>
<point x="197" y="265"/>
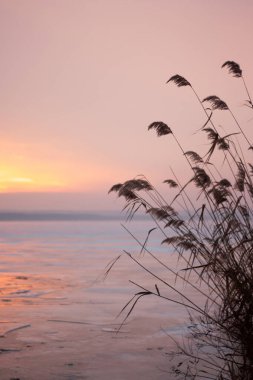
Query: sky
<point x="81" y="80"/>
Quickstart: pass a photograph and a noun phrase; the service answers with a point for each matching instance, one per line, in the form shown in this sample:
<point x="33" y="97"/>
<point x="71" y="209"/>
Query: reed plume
<point x="212" y="235"/>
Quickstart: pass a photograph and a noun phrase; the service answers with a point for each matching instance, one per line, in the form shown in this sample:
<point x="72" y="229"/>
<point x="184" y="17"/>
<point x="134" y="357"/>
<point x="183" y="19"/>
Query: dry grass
<point x="213" y="238"/>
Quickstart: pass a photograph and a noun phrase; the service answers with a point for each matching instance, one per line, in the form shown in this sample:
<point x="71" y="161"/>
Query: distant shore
<point x="58" y="216"/>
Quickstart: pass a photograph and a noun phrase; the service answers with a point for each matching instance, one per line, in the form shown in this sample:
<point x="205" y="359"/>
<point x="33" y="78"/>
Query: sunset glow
<point x="28" y="178"/>
<point x="81" y="83"/>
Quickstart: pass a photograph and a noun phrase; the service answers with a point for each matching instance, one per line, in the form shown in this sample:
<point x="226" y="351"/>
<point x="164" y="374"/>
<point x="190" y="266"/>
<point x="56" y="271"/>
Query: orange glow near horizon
<point x="23" y="173"/>
<point x="14" y="179"/>
<point x="41" y="166"/>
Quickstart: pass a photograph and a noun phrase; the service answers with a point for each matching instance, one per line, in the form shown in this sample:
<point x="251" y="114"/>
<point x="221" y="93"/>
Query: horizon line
<point x="63" y="215"/>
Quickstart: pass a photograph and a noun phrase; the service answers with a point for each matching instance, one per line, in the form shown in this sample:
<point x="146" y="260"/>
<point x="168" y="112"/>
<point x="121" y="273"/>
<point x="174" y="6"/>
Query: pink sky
<point x="82" y="79"/>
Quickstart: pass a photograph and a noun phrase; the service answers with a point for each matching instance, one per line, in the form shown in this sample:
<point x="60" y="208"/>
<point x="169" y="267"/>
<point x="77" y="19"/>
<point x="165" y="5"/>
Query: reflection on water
<point x="45" y="263"/>
<point x="43" y="247"/>
<point x="56" y="303"/>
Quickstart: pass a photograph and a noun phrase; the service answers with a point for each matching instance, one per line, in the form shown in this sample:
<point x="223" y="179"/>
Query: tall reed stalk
<point x="212" y="235"/>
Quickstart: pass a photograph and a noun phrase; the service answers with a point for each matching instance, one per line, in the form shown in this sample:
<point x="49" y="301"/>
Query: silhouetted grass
<point x="212" y="234"/>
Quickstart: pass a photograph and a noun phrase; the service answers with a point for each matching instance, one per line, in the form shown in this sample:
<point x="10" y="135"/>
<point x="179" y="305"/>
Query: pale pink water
<point x="53" y="277"/>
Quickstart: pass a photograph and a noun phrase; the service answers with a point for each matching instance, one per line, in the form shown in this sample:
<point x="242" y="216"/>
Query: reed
<point x="212" y="235"/>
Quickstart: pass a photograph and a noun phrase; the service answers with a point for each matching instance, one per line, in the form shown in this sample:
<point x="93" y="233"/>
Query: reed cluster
<point x="208" y="223"/>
